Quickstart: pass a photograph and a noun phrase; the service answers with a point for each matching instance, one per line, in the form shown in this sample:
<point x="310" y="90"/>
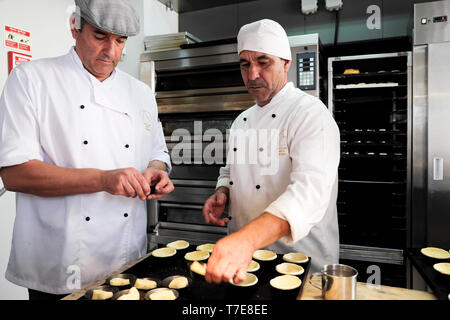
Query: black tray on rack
<point x="439" y="283"/>
<point x="202" y="290"/>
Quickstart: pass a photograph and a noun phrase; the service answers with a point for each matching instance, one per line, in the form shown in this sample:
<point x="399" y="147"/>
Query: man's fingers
<point x="166" y="188"/>
<point x="206" y="210"/>
<point x="215" y="269"/>
<point x="229" y="273"/>
<point x="128" y="189"/>
<point x="136" y="183"/>
<point x="163" y="182"/>
<point x="217" y="221"/>
<point x="240" y="275"/>
<point x="144" y="185"/>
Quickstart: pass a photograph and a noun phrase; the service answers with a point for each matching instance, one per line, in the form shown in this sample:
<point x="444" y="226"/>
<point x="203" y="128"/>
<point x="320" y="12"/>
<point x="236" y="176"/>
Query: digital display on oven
<point x="440" y="19"/>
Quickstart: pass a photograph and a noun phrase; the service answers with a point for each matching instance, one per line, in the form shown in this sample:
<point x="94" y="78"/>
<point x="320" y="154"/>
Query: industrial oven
<point x="199" y="92"/>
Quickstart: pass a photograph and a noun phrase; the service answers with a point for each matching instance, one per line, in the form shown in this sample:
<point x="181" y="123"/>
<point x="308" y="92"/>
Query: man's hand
<point x="232" y="254"/>
<point x="160" y="182"/>
<point x="47" y="180"/>
<point x="215" y="206"/>
<point x="230" y="259"/>
<point x="126" y="182"/>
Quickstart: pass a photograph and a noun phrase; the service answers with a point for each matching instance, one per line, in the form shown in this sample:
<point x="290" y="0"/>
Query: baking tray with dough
<point x="199" y="289"/>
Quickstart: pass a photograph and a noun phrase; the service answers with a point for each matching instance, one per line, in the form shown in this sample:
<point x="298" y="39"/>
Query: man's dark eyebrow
<point x="100" y="32"/>
<point x="242" y="60"/>
<point x="263" y="57"/>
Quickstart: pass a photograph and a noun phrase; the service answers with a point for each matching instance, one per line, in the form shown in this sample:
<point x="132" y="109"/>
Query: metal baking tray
<point x="439" y="283"/>
<point x="199" y="289"/>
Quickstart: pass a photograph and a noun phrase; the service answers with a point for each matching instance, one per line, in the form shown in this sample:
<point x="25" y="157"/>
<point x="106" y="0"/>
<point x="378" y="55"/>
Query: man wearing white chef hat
<point x="294" y="208"/>
<point x="81" y="144"/>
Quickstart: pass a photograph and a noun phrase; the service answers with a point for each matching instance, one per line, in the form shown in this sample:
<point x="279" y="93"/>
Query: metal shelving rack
<point x="372" y="107"/>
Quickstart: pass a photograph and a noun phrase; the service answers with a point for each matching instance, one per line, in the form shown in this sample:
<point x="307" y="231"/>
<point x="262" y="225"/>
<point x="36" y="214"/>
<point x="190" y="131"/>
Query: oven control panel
<point x="431" y="23"/>
<point x="306" y="70"/>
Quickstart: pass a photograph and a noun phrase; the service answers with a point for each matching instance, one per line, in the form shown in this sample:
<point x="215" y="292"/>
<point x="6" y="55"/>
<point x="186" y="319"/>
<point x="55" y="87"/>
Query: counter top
<point x="371" y="292"/>
<point x="363" y="291"/>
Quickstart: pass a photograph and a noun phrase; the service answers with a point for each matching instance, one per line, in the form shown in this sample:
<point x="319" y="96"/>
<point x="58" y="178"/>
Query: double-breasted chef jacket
<point x="296" y="180"/>
<point x="55" y="111"/>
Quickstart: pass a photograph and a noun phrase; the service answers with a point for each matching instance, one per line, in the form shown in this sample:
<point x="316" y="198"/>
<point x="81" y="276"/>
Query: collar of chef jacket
<point x="102" y="95"/>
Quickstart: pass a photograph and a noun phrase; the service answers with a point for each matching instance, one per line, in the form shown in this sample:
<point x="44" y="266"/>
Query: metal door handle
<point x="438" y="168"/>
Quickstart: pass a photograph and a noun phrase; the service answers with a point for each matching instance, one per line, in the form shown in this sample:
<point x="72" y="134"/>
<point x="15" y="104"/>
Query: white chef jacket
<point x="295" y="180"/>
<point x="55" y="111"/>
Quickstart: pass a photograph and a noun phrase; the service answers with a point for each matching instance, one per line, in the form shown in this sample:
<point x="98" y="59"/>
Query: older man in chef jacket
<point x="81" y="144"/>
<point x="286" y="204"/>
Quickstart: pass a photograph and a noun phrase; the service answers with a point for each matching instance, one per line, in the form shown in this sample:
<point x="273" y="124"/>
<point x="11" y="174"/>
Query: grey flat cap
<point x="113" y="16"/>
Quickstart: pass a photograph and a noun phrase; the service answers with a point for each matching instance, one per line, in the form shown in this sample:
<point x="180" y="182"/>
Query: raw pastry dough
<point x="436" y="253"/>
<point x="442" y="267"/>
<point x="101" y="294"/>
<point x="164" y="252"/>
<point x="264" y="255"/>
<point x="198" y="267"/>
<point x="206" y="247"/>
<point x="163" y="294"/>
<point x="145" y="284"/>
<point x="133" y="294"/>
<point x="286" y="282"/>
<point x="289" y="268"/>
<point x="196" y="255"/>
<point x="179" y="283"/>
<point x="178" y="245"/>
<point x="119" y="282"/>
<point x="253" y="266"/>
<point x="295" y="257"/>
<point x="250" y="280"/>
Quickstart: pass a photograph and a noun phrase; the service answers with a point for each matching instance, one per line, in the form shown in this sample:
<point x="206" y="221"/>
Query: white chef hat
<point x="266" y="36"/>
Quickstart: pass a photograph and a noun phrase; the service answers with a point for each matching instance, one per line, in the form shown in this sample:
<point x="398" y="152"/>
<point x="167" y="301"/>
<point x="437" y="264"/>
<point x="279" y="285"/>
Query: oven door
<point x="180" y="214"/>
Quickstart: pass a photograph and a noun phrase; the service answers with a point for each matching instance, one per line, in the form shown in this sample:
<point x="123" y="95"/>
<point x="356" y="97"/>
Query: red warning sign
<point x="17" y="39"/>
<point x="15" y="58"/>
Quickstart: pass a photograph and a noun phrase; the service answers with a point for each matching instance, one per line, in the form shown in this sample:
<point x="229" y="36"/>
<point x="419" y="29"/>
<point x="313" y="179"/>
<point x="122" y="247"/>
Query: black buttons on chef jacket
<point x="231" y="183"/>
<point x="127" y="146"/>
<point x="85" y="142"/>
<point x="245" y="119"/>
<point x="258" y="186"/>
<point x="125" y="215"/>
<point x="274" y="115"/>
<point x="82" y="107"/>
<point x="234" y="149"/>
<point x="261" y="149"/>
<point x="87" y="218"/>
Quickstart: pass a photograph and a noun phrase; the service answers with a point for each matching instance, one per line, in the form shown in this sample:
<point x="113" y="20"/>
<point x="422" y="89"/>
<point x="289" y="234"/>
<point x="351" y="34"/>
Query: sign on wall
<point x="16" y="58"/>
<point x="17" y="39"/>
